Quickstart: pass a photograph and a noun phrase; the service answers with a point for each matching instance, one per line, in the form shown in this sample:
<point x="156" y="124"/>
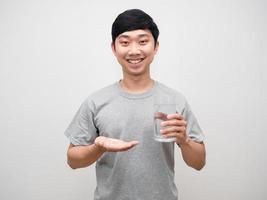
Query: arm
<point x="193" y="153"/>
<point x="83" y="156"/>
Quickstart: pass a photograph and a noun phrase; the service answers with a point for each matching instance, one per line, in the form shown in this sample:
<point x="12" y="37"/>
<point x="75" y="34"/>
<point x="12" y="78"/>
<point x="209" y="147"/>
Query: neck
<point x="136" y="84"/>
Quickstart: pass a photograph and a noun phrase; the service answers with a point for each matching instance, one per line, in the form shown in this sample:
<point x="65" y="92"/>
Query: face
<point x="135" y="51"/>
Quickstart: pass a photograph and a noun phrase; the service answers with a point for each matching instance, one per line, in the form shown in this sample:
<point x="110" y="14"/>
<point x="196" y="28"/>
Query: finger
<point x="126" y="148"/>
<point x="115" y="145"/>
<point x="174" y="122"/>
<point x="128" y="145"/>
<point x="175" y="116"/>
<point x="159" y="114"/>
<point x="172" y="134"/>
<point x="179" y="136"/>
<point x="134" y="143"/>
<point x="172" y="129"/>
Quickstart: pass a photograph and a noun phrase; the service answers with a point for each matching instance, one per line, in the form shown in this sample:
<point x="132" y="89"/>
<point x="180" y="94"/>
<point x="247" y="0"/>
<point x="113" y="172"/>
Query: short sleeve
<point x="193" y="129"/>
<point x="82" y="130"/>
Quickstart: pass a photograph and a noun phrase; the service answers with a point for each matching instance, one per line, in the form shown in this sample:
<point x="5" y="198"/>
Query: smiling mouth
<point x="135" y="61"/>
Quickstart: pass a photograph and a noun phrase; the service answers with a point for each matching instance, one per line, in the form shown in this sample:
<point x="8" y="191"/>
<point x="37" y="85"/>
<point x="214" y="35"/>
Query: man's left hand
<point x="175" y="126"/>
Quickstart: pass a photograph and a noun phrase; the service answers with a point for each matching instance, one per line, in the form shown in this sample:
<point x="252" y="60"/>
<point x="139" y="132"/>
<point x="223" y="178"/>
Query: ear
<point x="156" y="47"/>
<point x="113" y="48"/>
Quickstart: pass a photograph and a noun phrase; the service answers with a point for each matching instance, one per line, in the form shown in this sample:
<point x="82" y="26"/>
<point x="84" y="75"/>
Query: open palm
<point x="114" y="145"/>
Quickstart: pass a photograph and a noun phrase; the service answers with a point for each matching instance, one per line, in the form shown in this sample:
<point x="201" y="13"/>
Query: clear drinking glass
<point x="161" y="110"/>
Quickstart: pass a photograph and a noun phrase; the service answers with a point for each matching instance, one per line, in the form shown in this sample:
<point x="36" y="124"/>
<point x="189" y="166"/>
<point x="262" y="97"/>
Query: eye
<point x="143" y="42"/>
<point x="124" y="43"/>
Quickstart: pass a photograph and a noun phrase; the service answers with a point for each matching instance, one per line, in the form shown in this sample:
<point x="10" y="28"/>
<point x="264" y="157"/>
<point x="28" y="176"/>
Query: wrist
<point x="98" y="144"/>
<point x="184" y="143"/>
<point x="100" y="148"/>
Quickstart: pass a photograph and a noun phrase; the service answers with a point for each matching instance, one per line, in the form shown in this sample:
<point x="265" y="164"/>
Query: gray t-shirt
<point x="145" y="172"/>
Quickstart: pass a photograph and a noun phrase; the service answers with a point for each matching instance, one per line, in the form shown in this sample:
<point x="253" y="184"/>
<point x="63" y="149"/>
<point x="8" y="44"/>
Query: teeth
<point x="134" y="61"/>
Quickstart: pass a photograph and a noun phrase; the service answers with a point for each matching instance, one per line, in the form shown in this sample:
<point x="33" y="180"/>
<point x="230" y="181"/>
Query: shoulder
<point x="169" y="91"/>
<point x="103" y="95"/>
<point x="105" y="91"/>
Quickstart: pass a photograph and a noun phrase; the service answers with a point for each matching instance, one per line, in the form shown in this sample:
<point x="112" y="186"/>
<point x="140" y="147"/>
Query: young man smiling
<point x="114" y="126"/>
<point x="135" y="51"/>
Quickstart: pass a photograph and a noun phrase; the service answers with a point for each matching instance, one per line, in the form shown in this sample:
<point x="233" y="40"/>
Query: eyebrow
<point x="139" y="36"/>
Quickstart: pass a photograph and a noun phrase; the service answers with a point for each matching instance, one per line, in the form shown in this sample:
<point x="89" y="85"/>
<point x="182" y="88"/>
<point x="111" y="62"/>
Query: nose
<point x="134" y="49"/>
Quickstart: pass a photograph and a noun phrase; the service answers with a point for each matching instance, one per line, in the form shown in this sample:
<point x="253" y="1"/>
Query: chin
<point x="136" y="72"/>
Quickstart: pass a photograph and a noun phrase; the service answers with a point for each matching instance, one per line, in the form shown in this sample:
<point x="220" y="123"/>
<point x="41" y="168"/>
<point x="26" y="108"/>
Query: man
<point x="114" y="126"/>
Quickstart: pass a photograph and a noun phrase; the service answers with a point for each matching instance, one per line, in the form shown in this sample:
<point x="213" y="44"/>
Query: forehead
<point x="135" y="34"/>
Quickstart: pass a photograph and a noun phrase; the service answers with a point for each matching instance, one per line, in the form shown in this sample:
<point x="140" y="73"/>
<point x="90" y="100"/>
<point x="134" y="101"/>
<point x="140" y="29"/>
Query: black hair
<point x="133" y="19"/>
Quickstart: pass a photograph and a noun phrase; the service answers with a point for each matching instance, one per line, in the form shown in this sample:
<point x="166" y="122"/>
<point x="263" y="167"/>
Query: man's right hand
<point x="113" y="145"/>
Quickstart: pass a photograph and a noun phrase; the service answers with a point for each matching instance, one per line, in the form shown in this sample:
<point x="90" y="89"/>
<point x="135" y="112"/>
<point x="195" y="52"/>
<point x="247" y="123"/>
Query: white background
<point x="53" y="54"/>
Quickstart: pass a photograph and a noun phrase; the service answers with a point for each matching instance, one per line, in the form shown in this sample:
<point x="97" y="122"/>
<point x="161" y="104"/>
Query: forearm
<point x="194" y="154"/>
<point x="83" y="156"/>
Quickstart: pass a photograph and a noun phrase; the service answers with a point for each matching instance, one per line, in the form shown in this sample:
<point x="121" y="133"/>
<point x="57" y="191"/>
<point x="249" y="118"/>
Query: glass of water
<point x="161" y="110"/>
